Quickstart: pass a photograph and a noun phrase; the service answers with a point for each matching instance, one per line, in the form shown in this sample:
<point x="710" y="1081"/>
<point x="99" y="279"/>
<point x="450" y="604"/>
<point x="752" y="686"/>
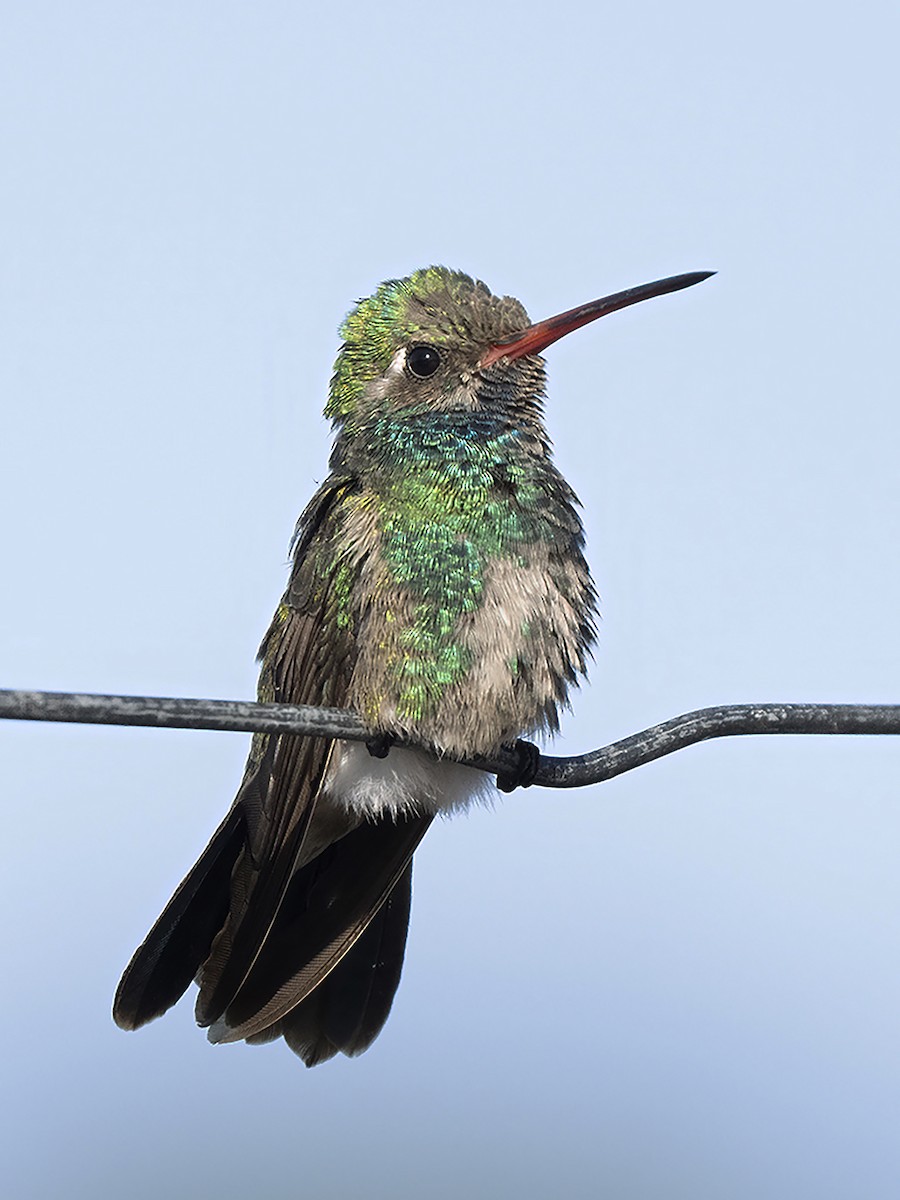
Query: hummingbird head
<point x="441" y="341"/>
<point x="416" y="344"/>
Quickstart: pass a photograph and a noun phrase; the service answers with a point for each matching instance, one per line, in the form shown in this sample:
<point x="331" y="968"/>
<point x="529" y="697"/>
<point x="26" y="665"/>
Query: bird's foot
<point x="523" y="773"/>
<point x="379" y="745"/>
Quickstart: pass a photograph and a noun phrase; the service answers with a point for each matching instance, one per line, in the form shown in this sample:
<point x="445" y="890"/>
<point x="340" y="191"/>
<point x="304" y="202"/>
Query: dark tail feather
<point x="326" y="973"/>
<point x="279" y="800"/>
<point x="170" y="956"/>
<point x="325" y="912"/>
<point x="348" y="1009"/>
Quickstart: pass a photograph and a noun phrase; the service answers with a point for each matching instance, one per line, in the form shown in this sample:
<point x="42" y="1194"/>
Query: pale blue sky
<point x="682" y="984"/>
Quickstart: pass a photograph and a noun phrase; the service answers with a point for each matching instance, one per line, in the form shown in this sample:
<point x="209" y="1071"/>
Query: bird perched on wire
<point x="439" y="589"/>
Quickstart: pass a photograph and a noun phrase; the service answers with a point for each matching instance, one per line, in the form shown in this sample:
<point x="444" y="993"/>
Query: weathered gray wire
<point x="728" y="720"/>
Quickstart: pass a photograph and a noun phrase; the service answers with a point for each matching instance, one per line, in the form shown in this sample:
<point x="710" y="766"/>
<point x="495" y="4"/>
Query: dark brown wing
<point x="214" y="925"/>
<point x="231" y="922"/>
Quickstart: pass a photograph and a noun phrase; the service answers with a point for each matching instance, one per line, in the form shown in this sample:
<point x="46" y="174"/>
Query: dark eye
<point x="423" y="361"/>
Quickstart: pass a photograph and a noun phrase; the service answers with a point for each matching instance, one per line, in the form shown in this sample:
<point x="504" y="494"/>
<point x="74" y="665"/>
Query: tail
<point x="326" y="973"/>
<point x="170" y="956"/>
<point x="349" y="1008"/>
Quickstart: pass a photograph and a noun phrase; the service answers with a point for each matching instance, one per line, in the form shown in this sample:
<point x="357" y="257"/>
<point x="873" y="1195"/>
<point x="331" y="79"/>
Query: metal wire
<point x="730" y="720"/>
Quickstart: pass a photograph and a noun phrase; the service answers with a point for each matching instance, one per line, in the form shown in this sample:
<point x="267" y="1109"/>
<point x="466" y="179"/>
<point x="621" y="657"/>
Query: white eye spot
<point x="377" y="389"/>
<point x="397" y="363"/>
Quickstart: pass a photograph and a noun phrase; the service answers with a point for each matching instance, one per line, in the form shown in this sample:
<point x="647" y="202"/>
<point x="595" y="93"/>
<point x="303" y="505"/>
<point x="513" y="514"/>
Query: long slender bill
<point x="538" y="337"/>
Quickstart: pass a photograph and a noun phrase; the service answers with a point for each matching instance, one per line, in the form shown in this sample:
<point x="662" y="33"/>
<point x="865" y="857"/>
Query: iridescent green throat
<point x="453" y="492"/>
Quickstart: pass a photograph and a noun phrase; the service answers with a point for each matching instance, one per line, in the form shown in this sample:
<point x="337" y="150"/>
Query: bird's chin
<point x="403" y="783"/>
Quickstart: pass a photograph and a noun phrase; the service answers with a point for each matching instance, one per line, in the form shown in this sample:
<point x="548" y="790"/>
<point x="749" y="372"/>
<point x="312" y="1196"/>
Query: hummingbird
<point x="439" y="588"/>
